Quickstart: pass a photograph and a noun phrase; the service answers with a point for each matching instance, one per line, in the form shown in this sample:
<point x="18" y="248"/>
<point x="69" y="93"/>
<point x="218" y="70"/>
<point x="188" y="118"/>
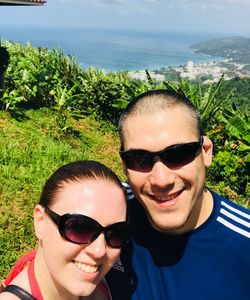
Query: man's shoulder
<point x="128" y="190"/>
<point x="234" y="218"/>
<point x="229" y="202"/>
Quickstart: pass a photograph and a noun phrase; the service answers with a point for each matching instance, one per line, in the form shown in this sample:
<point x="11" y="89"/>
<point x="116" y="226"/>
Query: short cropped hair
<point x="74" y="172"/>
<point x="154" y="101"/>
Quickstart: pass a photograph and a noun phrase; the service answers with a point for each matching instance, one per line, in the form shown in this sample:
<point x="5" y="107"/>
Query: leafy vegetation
<point x="53" y="112"/>
<point x="240" y="92"/>
<point x="38" y="78"/>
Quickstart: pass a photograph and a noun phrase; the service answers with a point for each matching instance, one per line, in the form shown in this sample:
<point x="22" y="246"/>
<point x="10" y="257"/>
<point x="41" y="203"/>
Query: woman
<point x="80" y="224"/>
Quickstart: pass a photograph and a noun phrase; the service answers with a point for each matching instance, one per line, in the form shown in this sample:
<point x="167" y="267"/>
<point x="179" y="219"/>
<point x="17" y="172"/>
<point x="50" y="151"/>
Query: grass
<point x="32" y="146"/>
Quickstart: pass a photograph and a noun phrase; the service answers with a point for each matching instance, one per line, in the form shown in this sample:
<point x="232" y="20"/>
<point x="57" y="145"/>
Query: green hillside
<point x="32" y="147"/>
<point x="235" y="48"/>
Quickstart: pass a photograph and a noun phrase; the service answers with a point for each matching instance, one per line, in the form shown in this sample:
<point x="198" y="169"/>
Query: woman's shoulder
<point x="22" y="281"/>
<point x="8" y="296"/>
<point x="12" y="291"/>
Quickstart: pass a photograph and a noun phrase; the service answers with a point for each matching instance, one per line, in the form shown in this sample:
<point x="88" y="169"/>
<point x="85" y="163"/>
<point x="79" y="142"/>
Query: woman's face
<point x="72" y="268"/>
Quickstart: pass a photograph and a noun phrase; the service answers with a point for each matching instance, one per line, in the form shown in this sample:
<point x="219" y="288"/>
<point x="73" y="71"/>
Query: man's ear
<point x="39" y="220"/>
<point x="207" y="150"/>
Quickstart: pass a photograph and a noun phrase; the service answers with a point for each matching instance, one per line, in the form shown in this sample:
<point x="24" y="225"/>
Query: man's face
<point x="174" y="199"/>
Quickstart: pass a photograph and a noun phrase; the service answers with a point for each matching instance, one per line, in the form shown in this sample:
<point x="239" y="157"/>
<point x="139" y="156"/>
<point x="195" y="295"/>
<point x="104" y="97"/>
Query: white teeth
<point x="166" y="198"/>
<point x="86" y="268"/>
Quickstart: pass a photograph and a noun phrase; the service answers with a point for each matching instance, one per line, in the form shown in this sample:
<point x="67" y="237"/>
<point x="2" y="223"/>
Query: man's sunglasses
<point x="174" y="156"/>
<point x="80" y="229"/>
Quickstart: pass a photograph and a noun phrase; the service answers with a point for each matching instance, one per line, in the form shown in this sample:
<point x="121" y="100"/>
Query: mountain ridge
<point x="236" y="48"/>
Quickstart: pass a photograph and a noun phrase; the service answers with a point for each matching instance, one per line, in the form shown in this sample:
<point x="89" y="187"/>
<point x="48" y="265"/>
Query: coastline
<point x="208" y="72"/>
<point x="115" y="50"/>
<point x="165" y="55"/>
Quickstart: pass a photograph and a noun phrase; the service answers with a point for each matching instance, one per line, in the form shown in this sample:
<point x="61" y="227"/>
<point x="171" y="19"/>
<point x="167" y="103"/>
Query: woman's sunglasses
<point x="174" y="156"/>
<point x="80" y="229"/>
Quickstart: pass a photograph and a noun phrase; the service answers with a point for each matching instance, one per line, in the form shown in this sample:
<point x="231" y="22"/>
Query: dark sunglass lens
<point x="80" y="230"/>
<point x="180" y="155"/>
<point x="118" y="235"/>
<point x="140" y="161"/>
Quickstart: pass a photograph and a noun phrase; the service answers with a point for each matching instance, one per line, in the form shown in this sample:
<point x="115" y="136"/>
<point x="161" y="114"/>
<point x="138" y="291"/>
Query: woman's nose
<point x="97" y="248"/>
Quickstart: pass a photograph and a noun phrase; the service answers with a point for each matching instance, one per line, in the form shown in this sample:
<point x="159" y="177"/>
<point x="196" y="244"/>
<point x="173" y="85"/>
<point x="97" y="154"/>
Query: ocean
<point x="115" y="50"/>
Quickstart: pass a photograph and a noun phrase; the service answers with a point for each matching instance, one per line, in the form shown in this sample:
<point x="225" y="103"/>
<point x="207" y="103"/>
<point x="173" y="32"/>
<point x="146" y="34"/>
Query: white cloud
<point x="177" y="15"/>
<point x="164" y="14"/>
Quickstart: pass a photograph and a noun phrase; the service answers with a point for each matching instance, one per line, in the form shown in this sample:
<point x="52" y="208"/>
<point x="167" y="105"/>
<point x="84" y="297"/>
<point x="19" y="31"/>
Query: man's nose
<point x="160" y="175"/>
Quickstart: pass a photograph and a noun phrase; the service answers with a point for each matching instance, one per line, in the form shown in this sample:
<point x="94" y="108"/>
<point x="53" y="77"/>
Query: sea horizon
<point x="116" y="49"/>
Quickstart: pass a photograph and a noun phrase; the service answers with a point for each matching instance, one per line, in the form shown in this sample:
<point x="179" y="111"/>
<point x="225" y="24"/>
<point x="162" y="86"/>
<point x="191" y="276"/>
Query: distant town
<point x="235" y="63"/>
<point x="206" y="73"/>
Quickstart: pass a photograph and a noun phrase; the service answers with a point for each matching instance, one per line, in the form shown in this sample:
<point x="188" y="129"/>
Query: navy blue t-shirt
<point x="212" y="262"/>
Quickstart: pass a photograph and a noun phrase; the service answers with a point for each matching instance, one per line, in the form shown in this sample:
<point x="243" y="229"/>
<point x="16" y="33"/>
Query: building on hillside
<point x="22" y="2"/>
<point x="190" y="66"/>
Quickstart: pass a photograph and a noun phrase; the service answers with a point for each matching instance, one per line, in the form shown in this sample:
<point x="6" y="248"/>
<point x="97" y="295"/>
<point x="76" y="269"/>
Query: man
<point x="189" y="242"/>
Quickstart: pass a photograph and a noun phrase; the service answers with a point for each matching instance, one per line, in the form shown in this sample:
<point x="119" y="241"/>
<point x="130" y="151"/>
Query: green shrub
<point x="229" y="175"/>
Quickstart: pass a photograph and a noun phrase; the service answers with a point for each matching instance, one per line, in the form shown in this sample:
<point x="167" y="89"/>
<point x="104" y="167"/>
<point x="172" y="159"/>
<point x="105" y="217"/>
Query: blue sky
<point x="231" y="17"/>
